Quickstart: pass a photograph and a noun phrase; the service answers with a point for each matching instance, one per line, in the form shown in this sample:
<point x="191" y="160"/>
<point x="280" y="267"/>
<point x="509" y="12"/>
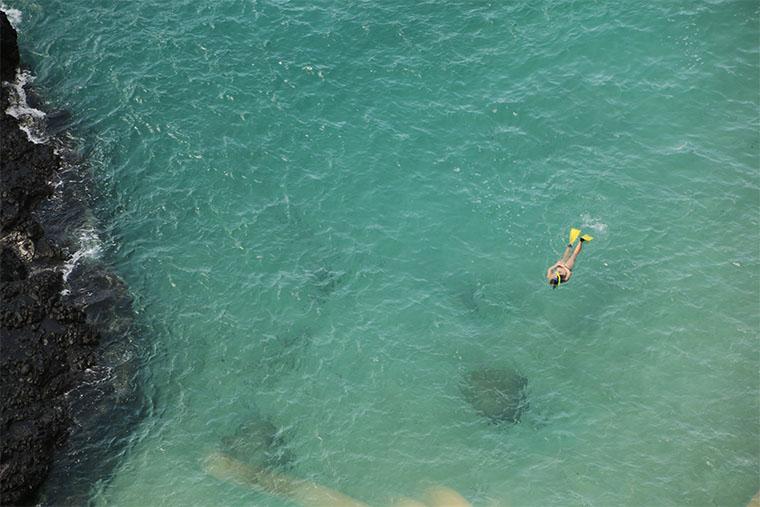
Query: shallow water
<point x="328" y="214"/>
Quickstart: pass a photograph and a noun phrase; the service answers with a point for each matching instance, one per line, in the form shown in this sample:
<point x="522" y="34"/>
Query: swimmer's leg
<point x="566" y="255"/>
<point x="572" y="258"/>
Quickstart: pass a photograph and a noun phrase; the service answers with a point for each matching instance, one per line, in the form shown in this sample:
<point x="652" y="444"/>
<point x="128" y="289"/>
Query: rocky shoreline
<point x="68" y="358"/>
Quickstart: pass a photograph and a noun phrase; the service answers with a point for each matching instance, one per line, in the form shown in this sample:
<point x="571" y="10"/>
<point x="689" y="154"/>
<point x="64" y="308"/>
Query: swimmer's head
<point x="555" y="281"/>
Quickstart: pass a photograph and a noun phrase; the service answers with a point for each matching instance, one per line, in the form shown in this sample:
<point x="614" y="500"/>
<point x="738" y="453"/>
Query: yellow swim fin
<point x="586" y="237"/>
<point x="574" y="233"/>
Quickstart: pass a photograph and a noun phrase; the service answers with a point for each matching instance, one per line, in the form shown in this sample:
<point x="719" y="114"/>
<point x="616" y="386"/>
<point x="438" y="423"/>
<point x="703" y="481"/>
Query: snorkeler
<point x="562" y="270"/>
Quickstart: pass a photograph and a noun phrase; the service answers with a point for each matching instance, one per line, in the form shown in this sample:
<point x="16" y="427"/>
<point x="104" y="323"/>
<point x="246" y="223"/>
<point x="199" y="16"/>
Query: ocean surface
<point x="329" y="213"/>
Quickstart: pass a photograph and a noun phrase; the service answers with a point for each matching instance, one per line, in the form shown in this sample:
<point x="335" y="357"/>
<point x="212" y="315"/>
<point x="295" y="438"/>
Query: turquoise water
<point x="329" y="212"/>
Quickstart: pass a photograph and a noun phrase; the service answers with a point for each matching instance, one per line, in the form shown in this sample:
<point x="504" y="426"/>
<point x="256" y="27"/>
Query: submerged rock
<point x="281" y="353"/>
<point x="496" y="393"/>
<point x="325" y="281"/>
<point x="258" y="442"/>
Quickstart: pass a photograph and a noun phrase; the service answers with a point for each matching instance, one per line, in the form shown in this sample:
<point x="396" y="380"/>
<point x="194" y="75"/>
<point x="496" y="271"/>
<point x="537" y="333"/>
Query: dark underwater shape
<point x="482" y="297"/>
<point x="326" y="281"/>
<point x="496" y="393"/>
<point x="258" y="442"/>
<point x="281" y="352"/>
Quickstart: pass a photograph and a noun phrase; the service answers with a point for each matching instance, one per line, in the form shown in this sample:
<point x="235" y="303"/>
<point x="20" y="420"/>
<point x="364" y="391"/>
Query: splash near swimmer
<point x="562" y="270"/>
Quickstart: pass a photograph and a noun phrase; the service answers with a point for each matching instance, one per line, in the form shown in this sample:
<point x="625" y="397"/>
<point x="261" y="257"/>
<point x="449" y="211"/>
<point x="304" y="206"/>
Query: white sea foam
<point x="31" y="120"/>
<point x="589" y="222"/>
<point x="90" y="247"/>
<point x="14" y="15"/>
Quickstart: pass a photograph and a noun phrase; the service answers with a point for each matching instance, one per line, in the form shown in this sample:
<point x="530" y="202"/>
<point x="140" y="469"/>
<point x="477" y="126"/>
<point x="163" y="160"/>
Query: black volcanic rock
<point x="26" y="169"/>
<point x="9" y="59"/>
<point x="12" y="268"/>
<point x="46" y="343"/>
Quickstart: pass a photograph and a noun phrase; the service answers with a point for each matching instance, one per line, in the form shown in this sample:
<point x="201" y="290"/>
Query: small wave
<point x="14" y="15"/>
<point x="95" y="375"/>
<point x="90" y="247"/>
<point x="32" y="121"/>
<point x="589" y="222"/>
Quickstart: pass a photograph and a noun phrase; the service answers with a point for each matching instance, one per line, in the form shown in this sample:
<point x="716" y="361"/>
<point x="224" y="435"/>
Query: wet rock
<point x="498" y="394"/>
<point x="11" y="266"/>
<point x="42" y="358"/>
<point x="9" y="57"/>
<point x="58" y="121"/>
